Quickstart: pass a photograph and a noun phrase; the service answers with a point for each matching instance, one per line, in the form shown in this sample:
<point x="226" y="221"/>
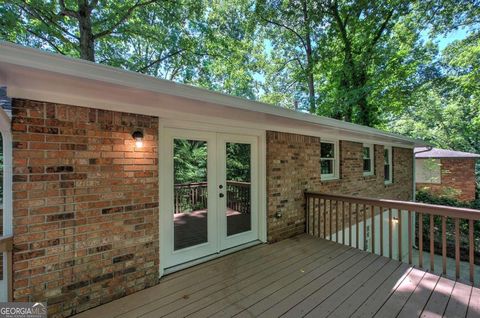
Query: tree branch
<point x="45" y="19"/>
<point x="67" y="12"/>
<point x="382" y="28"/>
<point x="159" y="60"/>
<point x="52" y="44"/>
<point x="289" y="29"/>
<point x="127" y="14"/>
<point x="378" y="34"/>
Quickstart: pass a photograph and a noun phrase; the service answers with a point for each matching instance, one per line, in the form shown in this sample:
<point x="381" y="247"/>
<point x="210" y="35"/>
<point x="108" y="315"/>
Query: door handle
<point x="221" y="195"/>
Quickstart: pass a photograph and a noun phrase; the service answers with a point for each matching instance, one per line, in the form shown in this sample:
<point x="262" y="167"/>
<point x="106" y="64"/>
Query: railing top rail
<point x="199" y="184"/>
<point x="6" y="243"/>
<point x="442" y="210"/>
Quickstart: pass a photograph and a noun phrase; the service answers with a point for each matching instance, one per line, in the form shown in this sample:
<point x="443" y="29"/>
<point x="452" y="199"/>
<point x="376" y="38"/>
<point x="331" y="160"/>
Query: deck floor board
<point x="299" y="277"/>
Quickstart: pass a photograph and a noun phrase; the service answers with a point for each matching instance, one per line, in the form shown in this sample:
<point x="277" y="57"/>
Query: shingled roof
<point x="424" y="152"/>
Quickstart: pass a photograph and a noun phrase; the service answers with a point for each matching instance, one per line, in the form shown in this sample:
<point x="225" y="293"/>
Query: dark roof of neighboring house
<point x="5" y="102"/>
<point x="424" y="152"/>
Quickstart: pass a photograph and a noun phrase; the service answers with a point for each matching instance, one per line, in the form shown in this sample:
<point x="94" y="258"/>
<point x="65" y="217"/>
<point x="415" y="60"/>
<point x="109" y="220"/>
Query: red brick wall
<point x="293" y="166"/>
<point x="85" y="205"/>
<point x="457" y="179"/>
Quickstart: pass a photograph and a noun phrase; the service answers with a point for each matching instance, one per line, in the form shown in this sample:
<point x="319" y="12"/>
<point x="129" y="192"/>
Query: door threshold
<point x="207" y="258"/>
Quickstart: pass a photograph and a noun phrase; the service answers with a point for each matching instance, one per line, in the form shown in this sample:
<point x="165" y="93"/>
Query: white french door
<point x="210" y="188"/>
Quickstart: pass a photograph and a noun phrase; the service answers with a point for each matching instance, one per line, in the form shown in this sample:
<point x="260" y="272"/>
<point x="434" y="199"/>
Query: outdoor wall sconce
<point x="395" y="220"/>
<point x="138" y="136"/>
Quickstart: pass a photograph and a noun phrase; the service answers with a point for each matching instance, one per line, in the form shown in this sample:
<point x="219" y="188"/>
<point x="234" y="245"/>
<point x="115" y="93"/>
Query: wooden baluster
<point x="319" y="217"/>
<point x="324" y="219"/>
<point x="471" y="246"/>
<point x="420" y="240"/>
<point x="307" y="217"/>
<point x="390" y="233"/>
<point x="330" y="220"/>
<point x="357" y="221"/>
<point x="432" y="244"/>
<point x="336" y="221"/>
<point x="364" y="227"/>
<point x="381" y="230"/>
<point x="457" y="248"/>
<point x="372" y="216"/>
<point x="410" y="244"/>
<point x="399" y="215"/>
<point x="343" y="222"/>
<point x="350" y="227"/>
<point x="444" y="245"/>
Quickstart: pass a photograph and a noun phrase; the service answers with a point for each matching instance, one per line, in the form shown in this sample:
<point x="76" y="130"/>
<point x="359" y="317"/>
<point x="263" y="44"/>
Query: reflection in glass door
<point x="188" y="196"/>
<point x="238" y="191"/>
<point x="190" y="159"/>
<point x="208" y="194"/>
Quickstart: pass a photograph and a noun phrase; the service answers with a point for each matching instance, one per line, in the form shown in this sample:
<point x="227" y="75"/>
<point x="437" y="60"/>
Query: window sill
<point x="329" y="179"/>
<point x="388" y="183"/>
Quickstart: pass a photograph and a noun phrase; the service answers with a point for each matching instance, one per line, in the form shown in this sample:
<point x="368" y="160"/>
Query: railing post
<point x="420" y="240"/>
<point x="444" y="245"/>
<point x="381" y="230"/>
<point x="399" y="214"/>
<point x="471" y="246"/>
<point x="357" y="221"/>
<point x="432" y="244"/>
<point x="410" y="244"/>
<point x="390" y="233"/>
<point x="457" y="248"/>
<point x="350" y="227"/>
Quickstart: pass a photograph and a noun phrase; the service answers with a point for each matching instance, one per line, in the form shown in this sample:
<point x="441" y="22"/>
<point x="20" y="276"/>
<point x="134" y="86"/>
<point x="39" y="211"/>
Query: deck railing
<point x="193" y="196"/>
<point x="6" y="247"/>
<point x="353" y="220"/>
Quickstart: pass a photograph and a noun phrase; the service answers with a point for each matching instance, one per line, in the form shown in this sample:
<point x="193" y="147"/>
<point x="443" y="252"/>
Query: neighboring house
<point x="446" y="172"/>
<point x="120" y="178"/>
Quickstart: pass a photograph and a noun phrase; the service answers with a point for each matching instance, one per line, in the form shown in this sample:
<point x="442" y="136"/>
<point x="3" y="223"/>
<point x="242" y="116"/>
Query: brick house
<point x="97" y="211"/>
<point x="446" y="172"/>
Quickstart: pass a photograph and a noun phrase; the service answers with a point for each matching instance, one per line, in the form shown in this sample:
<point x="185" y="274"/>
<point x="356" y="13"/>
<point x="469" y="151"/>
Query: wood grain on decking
<point x="299" y="277"/>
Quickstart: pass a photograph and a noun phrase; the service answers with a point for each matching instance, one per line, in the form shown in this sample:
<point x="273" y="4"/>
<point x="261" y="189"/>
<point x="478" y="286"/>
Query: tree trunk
<point x="87" y="40"/>
<point x="365" y="112"/>
<point x="308" y="43"/>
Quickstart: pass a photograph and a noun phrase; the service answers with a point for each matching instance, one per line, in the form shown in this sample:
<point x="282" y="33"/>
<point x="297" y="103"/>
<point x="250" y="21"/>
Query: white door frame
<point x="226" y="241"/>
<point x="163" y="171"/>
<point x="211" y="246"/>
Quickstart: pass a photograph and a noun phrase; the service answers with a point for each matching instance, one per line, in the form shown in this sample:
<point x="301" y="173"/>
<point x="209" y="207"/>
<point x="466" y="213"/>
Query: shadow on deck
<point x="299" y="277"/>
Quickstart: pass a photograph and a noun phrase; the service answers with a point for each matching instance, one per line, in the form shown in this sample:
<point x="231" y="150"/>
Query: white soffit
<point x="34" y="74"/>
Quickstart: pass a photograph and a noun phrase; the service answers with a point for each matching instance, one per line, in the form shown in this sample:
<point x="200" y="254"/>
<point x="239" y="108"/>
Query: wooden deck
<point x="299" y="277"/>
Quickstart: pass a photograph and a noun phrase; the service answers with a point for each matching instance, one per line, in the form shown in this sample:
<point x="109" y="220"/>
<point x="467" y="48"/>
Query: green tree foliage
<point x="368" y="62"/>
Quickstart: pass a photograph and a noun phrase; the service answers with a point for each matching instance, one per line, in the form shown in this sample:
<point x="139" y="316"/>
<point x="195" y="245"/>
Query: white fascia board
<point x="44" y="61"/>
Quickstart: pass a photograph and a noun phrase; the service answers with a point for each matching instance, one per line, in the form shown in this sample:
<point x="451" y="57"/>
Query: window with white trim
<point x="368" y="160"/>
<point x="387" y="164"/>
<point x="329" y="160"/>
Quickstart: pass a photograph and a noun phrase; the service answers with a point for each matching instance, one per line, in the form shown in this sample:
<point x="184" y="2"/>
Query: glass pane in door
<point x="190" y="193"/>
<point x="238" y="175"/>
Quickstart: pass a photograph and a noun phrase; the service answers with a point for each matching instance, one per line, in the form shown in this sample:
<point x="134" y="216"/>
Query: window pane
<point x="366" y="165"/>
<point x="387" y="172"/>
<point x="366" y="152"/>
<point x="326" y="166"/>
<point x="386" y="156"/>
<point x="238" y="188"/>
<point x="327" y="150"/>
<point x="190" y="192"/>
